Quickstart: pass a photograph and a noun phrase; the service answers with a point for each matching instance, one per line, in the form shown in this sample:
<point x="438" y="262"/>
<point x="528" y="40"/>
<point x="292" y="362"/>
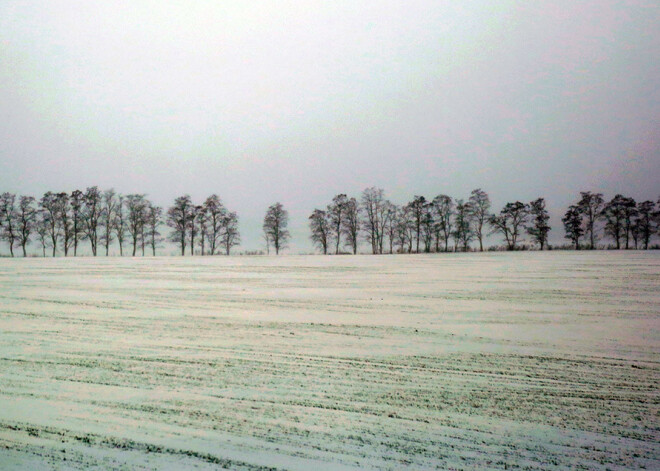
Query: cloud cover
<point x="298" y="101"/>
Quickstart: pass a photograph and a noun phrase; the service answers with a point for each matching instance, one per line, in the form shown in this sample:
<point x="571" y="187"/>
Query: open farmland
<point x="502" y="360"/>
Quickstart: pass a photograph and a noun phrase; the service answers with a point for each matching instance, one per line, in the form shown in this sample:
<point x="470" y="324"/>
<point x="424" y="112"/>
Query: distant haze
<point x="298" y="101"/>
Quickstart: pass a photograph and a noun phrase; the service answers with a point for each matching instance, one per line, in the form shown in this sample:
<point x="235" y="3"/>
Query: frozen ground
<point x="525" y="360"/>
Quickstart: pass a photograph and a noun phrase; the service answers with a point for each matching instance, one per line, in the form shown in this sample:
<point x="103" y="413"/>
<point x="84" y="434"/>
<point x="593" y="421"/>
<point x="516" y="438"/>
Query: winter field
<point x="457" y="361"/>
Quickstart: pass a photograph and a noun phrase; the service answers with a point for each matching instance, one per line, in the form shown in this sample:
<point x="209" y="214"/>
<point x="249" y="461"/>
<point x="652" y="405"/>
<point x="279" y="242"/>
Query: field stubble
<point x="518" y="361"/>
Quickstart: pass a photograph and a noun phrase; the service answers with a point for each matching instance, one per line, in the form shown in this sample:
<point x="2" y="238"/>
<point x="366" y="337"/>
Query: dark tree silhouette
<point x="76" y="203"/>
<point x="417" y="209"/>
<point x="373" y="207"/>
<point x="136" y="208"/>
<point x="27" y="215"/>
<point x="428" y="227"/>
<point x="153" y="222"/>
<point x="92" y="210"/>
<point x="201" y="220"/>
<point x="510" y="222"/>
<point x="614" y="213"/>
<point x="119" y="223"/>
<point x="41" y="228"/>
<point x="573" y="225"/>
<point x="178" y="217"/>
<point x="539" y="229"/>
<point x="193" y="229"/>
<point x="66" y="222"/>
<point x="9" y="219"/>
<point x="392" y="223"/>
<point x="443" y="210"/>
<point x="275" y="225"/>
<point x="215" y="212"/>
<point x="629" y="214"/>
<point x="644" y="222"/>
<point x="480" y="210"/>
<point x="108" y="218"/>
<point x="405" y="230"/>
<point x="320" y="225"/>
<point x="463" y="233"/>
<point x="49" y="203"/>
<point x="351" y="224"/>
<point x="230" y="237"/>
<point x="336" y="214"/>
<point x="591" y="206"/>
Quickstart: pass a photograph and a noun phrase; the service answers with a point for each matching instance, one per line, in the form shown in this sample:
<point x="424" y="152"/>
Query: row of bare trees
<point x="62" y="221"/>
<point x="65" y="220"/>
<point x="422" y="224"/>
<point x="209" y="226"/>
<point x="622" y="219"/>
<point x="429" y="225"/>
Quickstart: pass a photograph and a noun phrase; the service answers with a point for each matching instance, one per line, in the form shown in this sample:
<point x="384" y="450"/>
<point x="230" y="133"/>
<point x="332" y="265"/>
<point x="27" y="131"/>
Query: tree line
<point x="63" y="221"/>
<point x="429" y="225"/>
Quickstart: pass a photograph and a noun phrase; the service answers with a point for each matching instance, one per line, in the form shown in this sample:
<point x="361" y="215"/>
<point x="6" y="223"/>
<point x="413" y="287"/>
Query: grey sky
<point x="297" y="101"/>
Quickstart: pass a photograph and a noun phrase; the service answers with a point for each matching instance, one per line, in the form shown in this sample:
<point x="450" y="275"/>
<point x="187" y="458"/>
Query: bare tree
<point x="591" y="206"/>
<point x="428" y="227"/>
<point x="178" y="217"/>
<point x="644" y="222"/>
<point x="9" y="218"/>
<point x="119" y="223"/>
<point x="42" y="230"/>
<point x="405" y="230"/>
<point x="66" y="223"/>
<point x="463" y="226"/>
<point x="136" y="206"/>
<point x="480" y="212"/>
<point x="336" y="213"/>
<point x="50" y="205"/>
<point x="27" y="215"/>
<point x="443" y="210"/>
<point x="215" y="212"/>
<point x="373" y="202"/>
<point x="92" y="211"/>
<point x="201" y="219"/>
<point x="108" y="218"/>
<point x="539" y="229"/>
<point x="629" y="214"/>
<point x="416" y="210"/>
<point x="392" y="224"/>
<point x="510" y="222"/>
<point x="192" y="227"/>
<point x="614" y="213"/>
<point x="383" y="220"/>
<point x="275" y="225"/>
<point x="230" y="237"/>
<point x="351" y="224"/>
<point x="573" y="225"/>
<point x="320" y="225"/>
<point x="153" y="222"/>
<point x="76" y="201"/>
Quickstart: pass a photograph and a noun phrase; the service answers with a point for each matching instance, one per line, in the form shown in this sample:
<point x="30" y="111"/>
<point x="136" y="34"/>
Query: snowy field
<point x="457" y="361"/>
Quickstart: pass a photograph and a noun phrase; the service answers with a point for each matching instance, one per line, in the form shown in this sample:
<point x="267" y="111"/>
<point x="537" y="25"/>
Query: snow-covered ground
<point x="457" y="361"/>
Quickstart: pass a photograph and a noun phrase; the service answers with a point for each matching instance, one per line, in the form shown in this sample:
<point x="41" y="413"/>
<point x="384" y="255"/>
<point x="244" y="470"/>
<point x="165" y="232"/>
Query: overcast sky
<point x="298" y="101"/>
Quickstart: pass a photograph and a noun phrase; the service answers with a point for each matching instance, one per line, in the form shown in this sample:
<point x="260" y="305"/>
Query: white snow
<point x="518" y="360"/>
